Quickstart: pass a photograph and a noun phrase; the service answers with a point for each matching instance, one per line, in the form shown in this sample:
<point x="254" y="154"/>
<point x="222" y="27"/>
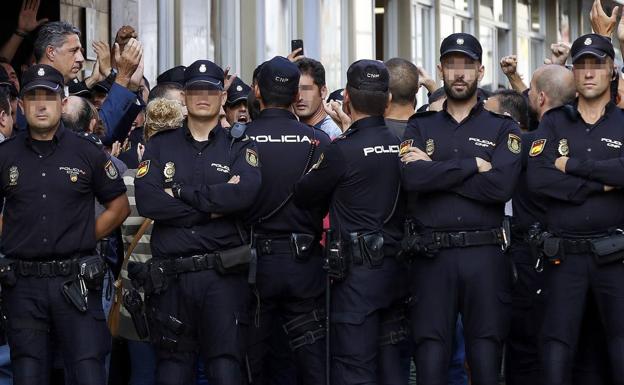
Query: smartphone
<point x="296" y="44"/>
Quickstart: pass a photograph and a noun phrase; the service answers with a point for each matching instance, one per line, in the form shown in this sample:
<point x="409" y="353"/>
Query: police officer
<point x="290" y="280"/>
<point x="575" y="161"/>
<point x="192" y="182"/>
<point x="358" y="177"/>
<point x="463" y="162"/>
<point x="51" y="280"/>
<point x="236" y="103"/>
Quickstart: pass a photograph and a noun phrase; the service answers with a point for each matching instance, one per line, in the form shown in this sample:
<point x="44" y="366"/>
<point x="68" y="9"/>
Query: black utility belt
<point x="300" y="245"/>
<point x="50" y="269"/>
<point x="361" y="249"/>
<point x="605" y="249"/>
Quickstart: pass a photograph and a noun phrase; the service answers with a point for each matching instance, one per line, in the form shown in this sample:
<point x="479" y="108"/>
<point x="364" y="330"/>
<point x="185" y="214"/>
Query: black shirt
<point x="577" y="204"/>
<point x="358" y="175"/>
<point x="49" y="190"/>
<point x="451" y="194"/>
<point x="183" y="226"/>
<point x="284" y="145"/>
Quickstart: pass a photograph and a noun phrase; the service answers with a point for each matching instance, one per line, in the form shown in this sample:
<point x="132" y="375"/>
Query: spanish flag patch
<point x="537" y="147"/>
<point x="143" y="169"/>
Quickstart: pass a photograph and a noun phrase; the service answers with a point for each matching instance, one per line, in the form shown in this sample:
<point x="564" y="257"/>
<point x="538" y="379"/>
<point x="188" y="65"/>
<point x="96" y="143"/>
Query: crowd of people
<point x="209" y="230"/>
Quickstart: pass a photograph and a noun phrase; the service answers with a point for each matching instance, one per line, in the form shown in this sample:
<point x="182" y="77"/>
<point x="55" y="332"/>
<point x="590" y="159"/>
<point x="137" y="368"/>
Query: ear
<point x="324" y="92"/>
<point x="3" y="118"/>
<point x="63" y="103"/>
<point x="541" y="98"/>
<point x="92" y="125"/>
<point x="257" y="92"/>
<point x="440" y="72"/>
<point x="389" y="99"/>
<point x="481" y="72"/>
<point x="223" y="98"/>
<point x="50" y="53"/>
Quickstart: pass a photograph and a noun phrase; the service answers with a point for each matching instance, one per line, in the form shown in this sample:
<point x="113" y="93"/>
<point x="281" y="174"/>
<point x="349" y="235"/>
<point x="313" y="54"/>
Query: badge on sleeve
<point x="564" y="149"/>
<point x="514" y="144"/>
<point x="169" y="171"/>
<point x="405" y="145"/>
<point x="143" y="169"/>
<point x="429" y="147"/>
<point x="111" y="170"/>
<point x="13" y="175"/>
<point x="537" y="147"/>
<point x="251" y="157"/>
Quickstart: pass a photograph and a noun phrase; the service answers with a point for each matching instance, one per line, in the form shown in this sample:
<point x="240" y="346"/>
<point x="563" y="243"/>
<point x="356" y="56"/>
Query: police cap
<point x="462" y="43"/>
<point x="279" y="75"/>
<point x="368" y="75"/>
<point x="78" y="88"/>
<point x="172" y="75"/>
<point x="592" y="44"/>
<point x="238" y="91"/>
<point x="42" y="76"/>
<point x="204" y="72"/>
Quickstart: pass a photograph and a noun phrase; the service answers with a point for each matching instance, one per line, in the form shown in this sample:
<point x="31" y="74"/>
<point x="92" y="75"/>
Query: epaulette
<point x="90" y="137"/>
<point x="7" y="140"/>
<point x="504" y="116"/>
<point x="345" y="134"/>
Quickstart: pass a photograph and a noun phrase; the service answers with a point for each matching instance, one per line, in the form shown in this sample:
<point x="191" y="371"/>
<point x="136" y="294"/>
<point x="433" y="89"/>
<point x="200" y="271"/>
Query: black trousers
<point x="473" y="281"/>
<point x="212" y="310"/>
<point x="287" y="289"/>
<point x="38" y="313"/>
<point x="567" y="288"/>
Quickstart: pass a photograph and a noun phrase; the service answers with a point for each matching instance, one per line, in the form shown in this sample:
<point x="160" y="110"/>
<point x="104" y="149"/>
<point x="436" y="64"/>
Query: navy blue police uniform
<point x="196" y="300"/>
<point x="581" y="216"/>
<point x="458" y="214"/>
<point x="48" y="236"/>
<point x="358" y="177"/>
<point x="290" y="281"/>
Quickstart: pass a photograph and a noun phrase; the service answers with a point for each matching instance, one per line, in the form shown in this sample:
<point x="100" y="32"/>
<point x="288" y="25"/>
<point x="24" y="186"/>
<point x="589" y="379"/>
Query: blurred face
<point x="6" y="122"/>
<point x="592" y="76"/>
<point x="98" y="98"/>
<point x="461" y="76"/>
<point x="202" y="102"/>
<point x="42" y="109"/>
<point x="68" y="58"/>
<point x="310" y="97"/>
<point x="237" y="112"/>
<point x="12" y="75"/>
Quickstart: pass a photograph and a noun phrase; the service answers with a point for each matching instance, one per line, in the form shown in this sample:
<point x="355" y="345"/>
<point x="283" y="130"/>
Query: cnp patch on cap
<point x="280" y="75"/>
<point x="593" y="45"/>
<point x="463" y="43"/>
<point x="368" y="75"/>
<point x="42" y="76"/>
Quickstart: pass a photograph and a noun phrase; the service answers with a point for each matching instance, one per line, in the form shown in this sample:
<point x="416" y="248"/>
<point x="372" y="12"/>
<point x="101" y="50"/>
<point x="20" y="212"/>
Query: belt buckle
<point x="197" y="261"/>
<point x="46" y="269"/>
<point x="265" y="246"/>
<point x="457" y="239"/>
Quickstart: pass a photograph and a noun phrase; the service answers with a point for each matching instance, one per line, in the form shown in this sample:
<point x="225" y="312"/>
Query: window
<point x="148" y="29"/>
<point x="277" y="27"/>
<point x="530" y="20"/>
<point x="423" y="41"/>
<point x="331" y="39"/>
<point x="494" y="35"/>
<point x="364" y="20"/>
<point x="493" y="10"/>
<point x="456" y="16"/>
<point x="198" y="29"/>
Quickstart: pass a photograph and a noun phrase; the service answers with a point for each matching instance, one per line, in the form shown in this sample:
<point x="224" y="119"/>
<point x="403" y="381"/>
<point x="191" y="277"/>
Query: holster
<point x="302" y="245"/>
<point x="8" y="278"/>
<point x="149" y="276"/>
<point x="337" y="265"/>
<point x="133" y="302"/>
<point x="235" y="260"/>
<point x="609" y="249"/>
<point x="74" y="294"/>
<point x="371" y="249"/>
<point x="553" y="250"/>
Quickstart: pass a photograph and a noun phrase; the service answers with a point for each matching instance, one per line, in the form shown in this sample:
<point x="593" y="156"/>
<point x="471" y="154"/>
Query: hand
<point x="509" y="65"/>
<point x="559" y="54"/>
<point x="601" y="23"/>
<point x="137" y="76"/>
<point x="483" y="165"/>
<point x="169" y="192"/>
<point x="116" y="149"/>
<point x="228" y="79"/>
<point x="96" y="76"/>
<point x="561" y="162"/>
<point x="102" y="50"/>
<point x="334" y="110"/>
<point x="412" y="154"/>
<point x="234" y="179"/>
<point x="140" y="151"/>
<point x="424" y="80"/>
<point x="293" y="55"/>
<point x="127" y="61"/>
<point x="27" y="21"/>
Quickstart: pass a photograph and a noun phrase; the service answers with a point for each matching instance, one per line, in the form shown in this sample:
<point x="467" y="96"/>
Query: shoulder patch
<point x="143" y="169"/>
<point x="251" y="157"/>
<point x="514" y="143"/>
<point x="537" y="147"/>
<point x="111" y="170"/>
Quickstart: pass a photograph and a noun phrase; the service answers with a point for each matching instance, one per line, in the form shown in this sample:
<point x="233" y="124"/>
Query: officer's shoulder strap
<point x="345" y="134"/>
<point x="7" y="140"/>
<point x="502" y="116"/>
<point x="90" y="137"/>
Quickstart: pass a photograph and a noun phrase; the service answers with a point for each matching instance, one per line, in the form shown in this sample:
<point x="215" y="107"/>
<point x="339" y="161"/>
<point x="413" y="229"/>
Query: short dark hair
<point x="514" y="104"/>
<point x="314" y="69"/>
<point x="271" y="98"/>
<point x="403" y="81"/>
<point x="54" y="34"/>
<point x="368" y="102"/>
<point x="79" y="121"/>
<point x="161" y="90"/>
<point x="5" y="101"/>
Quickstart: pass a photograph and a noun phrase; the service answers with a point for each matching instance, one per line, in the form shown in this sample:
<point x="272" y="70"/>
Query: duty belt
<point x="448" y="240"/>
<point x="268" y="246"/>
<point x="576" y="246"/>
<point x="187" y="264"/>
<point x="47" y="269"/>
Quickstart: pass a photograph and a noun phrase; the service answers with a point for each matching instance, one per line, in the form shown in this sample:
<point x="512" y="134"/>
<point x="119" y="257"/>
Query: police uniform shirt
<point x="284" y="145"/>
<point x="578" y="205"/>
<point x="50" y="189"/>
<point x="183" y="226"/>
<point x="359" y="175"/>
<point x="452" y="194"/>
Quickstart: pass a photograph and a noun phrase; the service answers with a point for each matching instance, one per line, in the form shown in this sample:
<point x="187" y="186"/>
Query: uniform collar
<point x="58" y="135"/>
<point x="371" y="121"/>
<point x="211" y="136"/>
<point x="476" y="109"/>
<point x="609" y="108"/>
<point x="276" y="113"/>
